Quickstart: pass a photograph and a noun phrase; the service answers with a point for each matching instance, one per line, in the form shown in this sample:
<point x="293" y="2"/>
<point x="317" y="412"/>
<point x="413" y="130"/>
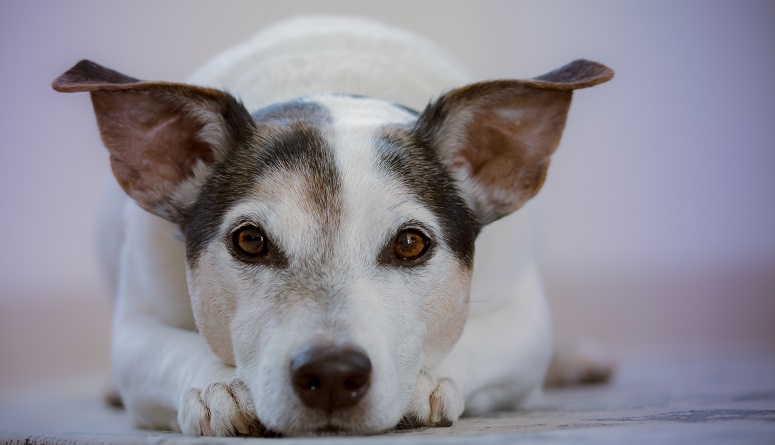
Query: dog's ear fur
<point x="497" y="137"/>
<point x="163" y="137"/>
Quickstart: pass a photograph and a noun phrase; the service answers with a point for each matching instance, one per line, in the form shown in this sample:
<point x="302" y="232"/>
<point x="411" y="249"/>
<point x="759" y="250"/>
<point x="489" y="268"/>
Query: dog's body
<point x="290" y="269"/>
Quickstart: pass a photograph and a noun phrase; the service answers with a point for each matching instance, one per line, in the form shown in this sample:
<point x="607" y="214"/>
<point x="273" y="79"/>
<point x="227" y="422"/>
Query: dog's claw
<point x="220" y="409"/>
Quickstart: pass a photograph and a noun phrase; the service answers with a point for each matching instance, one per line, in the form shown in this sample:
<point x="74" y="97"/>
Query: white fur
<point x="158" y="355"/>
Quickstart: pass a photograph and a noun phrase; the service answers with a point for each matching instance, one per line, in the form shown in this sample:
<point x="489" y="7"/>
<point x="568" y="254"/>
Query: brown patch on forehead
<point x="300" y="150"/>
<point x="302" y="196"/>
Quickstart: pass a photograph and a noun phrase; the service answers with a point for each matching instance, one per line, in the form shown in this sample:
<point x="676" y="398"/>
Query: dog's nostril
<point x="328" y="377"/>
<point x="308" y="383"/>
<point x="355" y="383"/>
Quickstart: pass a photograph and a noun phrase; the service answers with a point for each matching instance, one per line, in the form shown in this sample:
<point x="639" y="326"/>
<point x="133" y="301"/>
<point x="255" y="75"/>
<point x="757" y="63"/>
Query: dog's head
<point x="330" y="240"/>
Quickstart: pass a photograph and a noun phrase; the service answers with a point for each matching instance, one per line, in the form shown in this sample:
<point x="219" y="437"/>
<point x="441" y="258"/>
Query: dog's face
<point x="332" y="228"/>
<point x="330" y="240"/>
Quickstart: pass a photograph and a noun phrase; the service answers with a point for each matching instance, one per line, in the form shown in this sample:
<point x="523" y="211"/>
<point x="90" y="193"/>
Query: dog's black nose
<point x="330" y="377"/>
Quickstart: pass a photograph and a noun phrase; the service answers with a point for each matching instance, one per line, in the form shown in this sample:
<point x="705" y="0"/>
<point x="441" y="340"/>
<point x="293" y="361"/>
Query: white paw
<point x="436" y="402"/>
<point x="220" y="409"/>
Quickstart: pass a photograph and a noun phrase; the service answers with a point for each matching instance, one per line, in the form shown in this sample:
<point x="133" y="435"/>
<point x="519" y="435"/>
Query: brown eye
<point x="410" y="244"/>
<point x="249" y="241"/>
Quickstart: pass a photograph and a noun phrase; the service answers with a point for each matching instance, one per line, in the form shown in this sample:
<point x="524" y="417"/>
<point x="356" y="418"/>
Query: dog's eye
<point x="410" y="244"/>
<point x="249" y="241"/>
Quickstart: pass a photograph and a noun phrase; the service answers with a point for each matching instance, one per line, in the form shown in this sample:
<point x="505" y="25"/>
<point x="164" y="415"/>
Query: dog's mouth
<point x="328" y="429"/>
<point x="331" y="430"/>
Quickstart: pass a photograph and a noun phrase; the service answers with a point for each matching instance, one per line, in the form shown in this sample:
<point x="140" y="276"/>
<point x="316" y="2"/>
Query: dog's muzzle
<point x="330" y="377"/>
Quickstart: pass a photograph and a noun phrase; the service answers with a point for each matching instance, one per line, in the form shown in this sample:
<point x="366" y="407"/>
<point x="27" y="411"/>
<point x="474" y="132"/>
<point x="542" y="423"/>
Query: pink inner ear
<point x="509" y="145"/>
<point x="153" y="146"/>
<point x="493" y="150"/>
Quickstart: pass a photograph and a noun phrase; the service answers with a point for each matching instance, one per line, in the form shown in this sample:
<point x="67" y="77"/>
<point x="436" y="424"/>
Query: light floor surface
<point x="710" y="403"/>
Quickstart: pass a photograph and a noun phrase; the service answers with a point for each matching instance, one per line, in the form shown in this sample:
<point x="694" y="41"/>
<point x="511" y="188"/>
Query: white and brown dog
<point x="299" y="257"/>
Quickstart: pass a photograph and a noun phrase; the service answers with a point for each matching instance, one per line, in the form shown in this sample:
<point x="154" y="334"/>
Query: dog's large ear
<point x="163" y="137"/>
<point x="497" y="137"/>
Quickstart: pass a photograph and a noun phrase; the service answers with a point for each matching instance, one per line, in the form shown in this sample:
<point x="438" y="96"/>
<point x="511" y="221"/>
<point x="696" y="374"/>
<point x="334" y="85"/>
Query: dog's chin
<point x="331" y="428"/>
<point x="334" y="425"/>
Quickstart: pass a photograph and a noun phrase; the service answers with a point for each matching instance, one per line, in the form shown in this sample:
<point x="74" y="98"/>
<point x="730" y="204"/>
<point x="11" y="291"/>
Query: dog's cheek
<point x="264" y="325"/>
<point x="401" y="323"/>
<point x="259" y="359"/>
<point x="445" y="311"/>
<point x="249" y="324"/>
<point x="213" y="300"/>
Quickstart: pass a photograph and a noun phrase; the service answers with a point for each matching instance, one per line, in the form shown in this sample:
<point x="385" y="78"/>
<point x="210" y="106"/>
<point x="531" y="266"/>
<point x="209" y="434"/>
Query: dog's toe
<point x="436" y="403"/>
<point x="220" y="409"/>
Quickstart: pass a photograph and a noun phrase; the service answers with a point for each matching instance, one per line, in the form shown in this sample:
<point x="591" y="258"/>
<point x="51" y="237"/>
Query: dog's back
<point x="310" y="55"/>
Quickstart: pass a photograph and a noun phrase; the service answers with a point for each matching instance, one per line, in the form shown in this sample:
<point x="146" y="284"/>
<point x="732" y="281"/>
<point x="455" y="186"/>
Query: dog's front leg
<point x="168" y="376"/>
<point x="498" y="363"/>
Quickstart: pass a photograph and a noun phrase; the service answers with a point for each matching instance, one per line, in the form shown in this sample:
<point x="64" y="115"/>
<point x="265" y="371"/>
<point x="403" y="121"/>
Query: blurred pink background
<point x="659" y="240"/>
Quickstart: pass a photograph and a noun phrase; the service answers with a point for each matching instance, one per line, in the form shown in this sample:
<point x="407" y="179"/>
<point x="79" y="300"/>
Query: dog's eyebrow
<point x="288" y="137"/>
<point x="402" y="153"/>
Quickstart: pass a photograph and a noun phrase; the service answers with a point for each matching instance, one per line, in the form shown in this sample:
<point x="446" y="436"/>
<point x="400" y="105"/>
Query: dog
<point x="296" y="256"/>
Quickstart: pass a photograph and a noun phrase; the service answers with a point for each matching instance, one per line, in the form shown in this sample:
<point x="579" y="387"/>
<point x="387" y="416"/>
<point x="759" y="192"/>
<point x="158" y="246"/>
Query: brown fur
<point x="501" y="134"/>
<point x="154" y="130"/>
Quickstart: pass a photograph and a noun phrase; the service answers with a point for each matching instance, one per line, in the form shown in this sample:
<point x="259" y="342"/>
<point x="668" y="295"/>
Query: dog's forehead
<point x="322" y="185"/>
<point x="337" y="110"/>
<point x="352" y="110"/>
<point x="329" y="163"/>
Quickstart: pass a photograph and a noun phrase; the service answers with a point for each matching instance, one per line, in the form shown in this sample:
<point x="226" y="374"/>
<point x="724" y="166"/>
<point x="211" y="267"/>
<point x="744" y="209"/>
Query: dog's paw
<point x="220" y="409"/>
<point x="436" y="403"/>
